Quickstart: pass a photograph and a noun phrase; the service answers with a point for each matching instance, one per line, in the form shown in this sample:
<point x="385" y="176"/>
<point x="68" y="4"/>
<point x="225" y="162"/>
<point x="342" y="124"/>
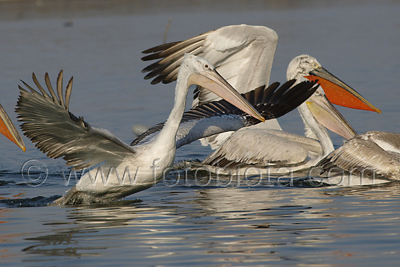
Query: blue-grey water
<point x="100" y="44"/>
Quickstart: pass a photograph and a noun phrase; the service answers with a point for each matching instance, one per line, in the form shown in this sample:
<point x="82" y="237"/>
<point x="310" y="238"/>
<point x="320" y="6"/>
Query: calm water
<point x="100" y="44"/>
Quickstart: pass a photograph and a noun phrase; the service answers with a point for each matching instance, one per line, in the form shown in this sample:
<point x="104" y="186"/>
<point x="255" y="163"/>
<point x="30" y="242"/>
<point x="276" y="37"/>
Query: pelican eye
<point x="315" y="65"/>
<point x="317" y="92"/>
<point x="206" y="66"/>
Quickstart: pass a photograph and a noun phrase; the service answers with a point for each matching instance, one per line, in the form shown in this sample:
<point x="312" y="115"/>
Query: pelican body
<point x="116" y="169"/>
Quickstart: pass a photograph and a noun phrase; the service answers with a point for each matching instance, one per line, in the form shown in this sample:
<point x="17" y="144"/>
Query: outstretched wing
<point x="220" y="116"/>
<point x="242" y="54"/>
<point x="57" y="132"/>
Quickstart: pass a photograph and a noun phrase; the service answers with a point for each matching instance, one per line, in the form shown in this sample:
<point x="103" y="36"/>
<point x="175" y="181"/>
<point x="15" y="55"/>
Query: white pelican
<point x="8" y="129"/>
<point x="219" y="116"/>
<point x="280" y="152"/>
<point x="371" y="154"/>
<point x="123" y="169"/>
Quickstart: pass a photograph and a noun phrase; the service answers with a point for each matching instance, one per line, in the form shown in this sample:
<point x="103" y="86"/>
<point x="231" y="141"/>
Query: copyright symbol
<point x="34" y="172"/>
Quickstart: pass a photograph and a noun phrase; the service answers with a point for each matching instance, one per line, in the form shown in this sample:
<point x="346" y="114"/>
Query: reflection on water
<point x="234" y="224"/>
<point x="99" y="43"/>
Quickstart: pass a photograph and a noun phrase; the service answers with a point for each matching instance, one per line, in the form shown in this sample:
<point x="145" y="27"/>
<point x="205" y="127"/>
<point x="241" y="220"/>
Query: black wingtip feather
<point x="159" y="48"/>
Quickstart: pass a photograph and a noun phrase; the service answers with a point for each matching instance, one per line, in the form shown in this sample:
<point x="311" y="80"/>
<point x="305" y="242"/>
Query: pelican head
<point x="203" y="73"/>
<point x="336" y="90"/>
<point x="302" y="66"/>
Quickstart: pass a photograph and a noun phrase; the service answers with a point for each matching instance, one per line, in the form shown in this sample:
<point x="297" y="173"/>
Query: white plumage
<point x="118" y="169"/>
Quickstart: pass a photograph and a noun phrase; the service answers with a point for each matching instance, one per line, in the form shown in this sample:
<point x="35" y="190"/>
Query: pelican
<point x="117" y="169"/>
<point x="371" y="154"/>
<point x="281" y="152"/>
<point x="8" y="129"/>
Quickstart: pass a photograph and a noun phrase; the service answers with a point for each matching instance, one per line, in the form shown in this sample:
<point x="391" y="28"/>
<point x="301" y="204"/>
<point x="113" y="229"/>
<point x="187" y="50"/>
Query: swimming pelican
<point x="371" y="154"/>
<point x="219" y="116"/>
<point x="57" y="132"/>
<point x="281" y="152"/>
<point x="8" y="129"/>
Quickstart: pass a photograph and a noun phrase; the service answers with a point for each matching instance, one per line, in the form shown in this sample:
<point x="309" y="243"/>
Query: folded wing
<point x="365" y="154"/>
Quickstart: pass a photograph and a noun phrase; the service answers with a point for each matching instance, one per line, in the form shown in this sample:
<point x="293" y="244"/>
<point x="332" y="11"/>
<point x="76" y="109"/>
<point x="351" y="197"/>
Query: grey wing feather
<point x="60" y="87"/>
<point x="58" y="133"/>
<point x="362" y="157"/>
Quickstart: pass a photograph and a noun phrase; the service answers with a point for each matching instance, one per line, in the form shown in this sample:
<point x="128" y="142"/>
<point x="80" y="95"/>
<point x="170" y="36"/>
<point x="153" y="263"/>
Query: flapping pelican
<point x="371" y="154"/>
<point x="8" y="129"/>
<point x="123" y="169"/>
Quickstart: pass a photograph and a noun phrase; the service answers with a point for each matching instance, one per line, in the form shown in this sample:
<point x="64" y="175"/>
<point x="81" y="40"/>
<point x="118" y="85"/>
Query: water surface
<point x="100" y="44"/>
